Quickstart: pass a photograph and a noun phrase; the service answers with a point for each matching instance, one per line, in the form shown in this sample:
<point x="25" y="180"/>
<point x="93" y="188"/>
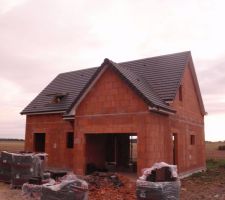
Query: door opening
<point x="39" y="142"/>
<point x="175" y="149"/>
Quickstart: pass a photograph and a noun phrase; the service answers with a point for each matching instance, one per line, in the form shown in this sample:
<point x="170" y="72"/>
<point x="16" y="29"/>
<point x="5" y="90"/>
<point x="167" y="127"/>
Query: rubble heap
<point x="110" y="186"/>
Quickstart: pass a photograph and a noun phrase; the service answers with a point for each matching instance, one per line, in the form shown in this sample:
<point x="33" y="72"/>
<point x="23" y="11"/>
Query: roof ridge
<point x="79" y="70"/>
<point x="165" y="55"/>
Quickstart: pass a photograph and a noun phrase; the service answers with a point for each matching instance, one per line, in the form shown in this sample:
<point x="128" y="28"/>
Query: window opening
<point x="57" y="97"/>
<point x="70" y="140"/>
<point x="181" y="93"/>
<point x="39" y="142"/>
<point x="192" y="139"/>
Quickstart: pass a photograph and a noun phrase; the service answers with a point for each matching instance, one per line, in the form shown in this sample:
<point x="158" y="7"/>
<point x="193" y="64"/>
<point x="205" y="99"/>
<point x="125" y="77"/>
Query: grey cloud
<point x="39" y="39"/>
<point x="211" y="75"/>
<point x="13" y="128"/>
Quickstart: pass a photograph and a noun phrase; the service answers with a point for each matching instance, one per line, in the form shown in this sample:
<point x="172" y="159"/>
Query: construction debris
<point x="69" y="187"/>
<point x="110" y="186"/>
<point x="57" y="174"/>
<point x="160" y="182"/>
<point x="33" y="191"/>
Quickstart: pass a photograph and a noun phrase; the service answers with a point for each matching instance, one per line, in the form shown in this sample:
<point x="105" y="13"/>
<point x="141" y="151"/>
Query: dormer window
<point x="56" y="97"/>
<point x="181" y="93"/>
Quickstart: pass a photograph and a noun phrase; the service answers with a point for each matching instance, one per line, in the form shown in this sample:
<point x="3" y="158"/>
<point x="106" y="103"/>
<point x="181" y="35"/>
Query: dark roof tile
<point x="159" y="77"/>
<point x="71" y="83"/>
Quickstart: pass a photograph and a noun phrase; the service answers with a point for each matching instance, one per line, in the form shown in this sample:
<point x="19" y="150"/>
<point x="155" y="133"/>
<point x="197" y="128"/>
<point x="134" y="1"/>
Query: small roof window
<point x="57" y="97"/>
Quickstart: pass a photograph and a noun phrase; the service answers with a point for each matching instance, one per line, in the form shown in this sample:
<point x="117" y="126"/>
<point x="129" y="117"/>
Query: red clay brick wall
<point x="189" y="121"/>
<point x="56" y="130"/>
<point x="113" y="107"/>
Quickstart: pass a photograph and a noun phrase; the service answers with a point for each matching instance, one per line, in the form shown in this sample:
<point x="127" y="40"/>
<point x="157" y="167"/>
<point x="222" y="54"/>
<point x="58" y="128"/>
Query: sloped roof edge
<point x="196" y="84"/>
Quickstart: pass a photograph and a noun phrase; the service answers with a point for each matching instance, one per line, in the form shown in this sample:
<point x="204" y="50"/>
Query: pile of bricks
<point x="110" y="186"/>
<point x="161" y="175"/>
<point x="160" y="182"/>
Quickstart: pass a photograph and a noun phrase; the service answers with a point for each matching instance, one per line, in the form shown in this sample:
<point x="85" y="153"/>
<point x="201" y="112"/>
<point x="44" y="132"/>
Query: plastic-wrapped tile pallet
<point x="22" y="169"/>
<point x="67" y="192"/>
<point x="68" y="187"/>
<point x="158" y="190"/>
<point x="159" y="182"/>
<point x="18" y="168"/>
<point x="5" y="167"/>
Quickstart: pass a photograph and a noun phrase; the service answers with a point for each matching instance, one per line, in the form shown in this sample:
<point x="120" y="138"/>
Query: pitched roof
<point x="156" y="79"/>
<point x="163" y="73"/>
<point x="70" y="84"/>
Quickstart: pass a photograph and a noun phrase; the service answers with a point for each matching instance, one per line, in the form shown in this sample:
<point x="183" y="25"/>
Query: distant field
<point x="212" y="151"/>
<point x="11" y="146"/>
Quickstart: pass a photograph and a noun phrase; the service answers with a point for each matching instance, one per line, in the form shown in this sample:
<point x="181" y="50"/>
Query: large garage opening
<point x="111" y="152"/>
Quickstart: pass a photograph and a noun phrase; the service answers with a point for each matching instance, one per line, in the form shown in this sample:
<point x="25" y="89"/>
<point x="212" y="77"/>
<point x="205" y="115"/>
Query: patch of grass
<point x="197" y="175"/>
<point x="213" y="164"/>
<point x="213" y="171"/>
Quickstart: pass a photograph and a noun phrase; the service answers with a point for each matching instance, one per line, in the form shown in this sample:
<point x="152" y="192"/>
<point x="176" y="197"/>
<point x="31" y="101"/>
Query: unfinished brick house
<point x="91" y="116"/>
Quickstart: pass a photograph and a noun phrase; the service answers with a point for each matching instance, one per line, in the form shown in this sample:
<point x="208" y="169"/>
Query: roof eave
<point x="196" y="84"/>
<point x="161" y="110"/>
<point x="43" y="112"/>
<point x="197" y="87"/>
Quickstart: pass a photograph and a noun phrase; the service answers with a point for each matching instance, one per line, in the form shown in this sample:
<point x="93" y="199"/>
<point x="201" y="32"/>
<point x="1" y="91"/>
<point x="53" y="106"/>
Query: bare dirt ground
<point x="7" y="194"/>
<point x="207" y="185"/>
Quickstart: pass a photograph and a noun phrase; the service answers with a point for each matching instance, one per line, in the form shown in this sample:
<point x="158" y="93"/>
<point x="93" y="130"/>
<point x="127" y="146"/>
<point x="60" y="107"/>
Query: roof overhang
<point x="68" y="117"/>
<point x="42" y="113"/>
<point x="196" y="85"/>
<point x="160" y="110"/>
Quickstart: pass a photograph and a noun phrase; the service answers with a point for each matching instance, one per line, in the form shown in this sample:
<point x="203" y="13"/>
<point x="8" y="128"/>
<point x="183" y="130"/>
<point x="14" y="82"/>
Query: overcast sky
<point x="41" y="38"/>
